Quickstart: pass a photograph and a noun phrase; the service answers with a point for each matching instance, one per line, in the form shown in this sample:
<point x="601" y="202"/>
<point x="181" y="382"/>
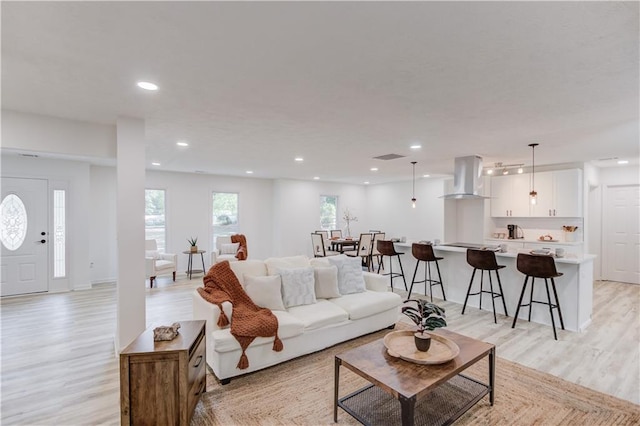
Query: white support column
<point x="131" y="311"/>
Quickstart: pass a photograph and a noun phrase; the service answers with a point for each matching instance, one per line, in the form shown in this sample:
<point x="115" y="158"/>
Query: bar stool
<point x="539" y="266"/>
<point x="386" y="248"/>
<point x="424" y="253"/>
<point x="485" y="260"/>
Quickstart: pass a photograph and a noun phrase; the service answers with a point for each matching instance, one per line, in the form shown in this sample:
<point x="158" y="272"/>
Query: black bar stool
<point x="485" y="260"/>
<point x="424" y="253"/>
<point x="539" y="266"/>
<point x="386" y="248"/>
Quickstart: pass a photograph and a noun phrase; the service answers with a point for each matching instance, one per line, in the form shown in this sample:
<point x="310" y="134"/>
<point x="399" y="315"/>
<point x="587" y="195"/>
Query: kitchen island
<point x="575" y="287"/>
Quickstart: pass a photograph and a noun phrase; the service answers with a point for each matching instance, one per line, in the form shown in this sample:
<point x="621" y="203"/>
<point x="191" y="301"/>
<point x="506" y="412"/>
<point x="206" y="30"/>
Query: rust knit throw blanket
<point x="248" y="320"/>
<point x="242" y="248"/>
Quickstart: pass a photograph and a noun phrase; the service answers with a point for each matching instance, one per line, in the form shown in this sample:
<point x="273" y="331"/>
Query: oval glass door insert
<point x="13" y="222"/>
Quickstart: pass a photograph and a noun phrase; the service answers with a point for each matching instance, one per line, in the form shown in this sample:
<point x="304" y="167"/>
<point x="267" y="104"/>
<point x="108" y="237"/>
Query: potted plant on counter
<point x="193" y="242"/>
<point x="427" y="316"/>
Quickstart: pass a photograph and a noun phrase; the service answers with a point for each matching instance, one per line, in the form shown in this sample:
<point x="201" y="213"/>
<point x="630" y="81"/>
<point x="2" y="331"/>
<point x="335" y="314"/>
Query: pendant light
<point x="533" y="195"/>
<point x="413" y="198"/>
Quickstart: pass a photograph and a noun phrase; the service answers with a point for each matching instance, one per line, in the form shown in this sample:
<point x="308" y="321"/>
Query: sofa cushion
<point x="264" y="291"/>
<point x="288" y="326"/>
<point x="154" y="254"/>
<point x="320" y="314"/>
<point x="164" y="264"/>
<point x="249" y="267"/>
<point x="367" y="303"/>
<point x="326" y="282"/>
<point x="231" y="248"/>
<point x="273" y="263"/>
<point x="350" y="278"/>
<point x="297" y="286"/>
<point x="319" y="261"/>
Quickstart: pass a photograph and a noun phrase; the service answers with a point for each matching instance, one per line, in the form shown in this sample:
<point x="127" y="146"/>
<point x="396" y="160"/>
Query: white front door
<point x="23" y="236"/>
<point x="622" y="234"/>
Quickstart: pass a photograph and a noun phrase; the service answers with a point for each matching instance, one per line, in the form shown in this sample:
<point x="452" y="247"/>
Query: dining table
<point x="343" y="244"/>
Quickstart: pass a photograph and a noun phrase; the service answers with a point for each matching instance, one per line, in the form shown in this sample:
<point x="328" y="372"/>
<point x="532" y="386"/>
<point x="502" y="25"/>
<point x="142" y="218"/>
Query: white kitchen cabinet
<point x="559" y="194"/>
<point x="510" y="196"/>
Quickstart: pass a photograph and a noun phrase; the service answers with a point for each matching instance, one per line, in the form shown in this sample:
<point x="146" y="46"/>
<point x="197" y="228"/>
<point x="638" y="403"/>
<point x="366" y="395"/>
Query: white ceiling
<point x="250" y="85"/>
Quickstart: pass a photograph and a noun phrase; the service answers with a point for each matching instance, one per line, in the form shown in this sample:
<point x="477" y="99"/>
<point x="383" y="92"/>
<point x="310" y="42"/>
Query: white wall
<point x="389" y="209"/>
<point x="103" y="250"/>
<point x="31" y="132"/>
<point x="189" y="213"/>
<point x="296" y="212"/>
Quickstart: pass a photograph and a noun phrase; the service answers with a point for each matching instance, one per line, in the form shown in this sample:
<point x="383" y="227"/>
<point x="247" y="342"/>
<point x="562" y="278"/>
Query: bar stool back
<point x="539" y="266"/>
<point x="485" y="260"/>
<point x="386" y="248"/>
<point x="424" y="253"/>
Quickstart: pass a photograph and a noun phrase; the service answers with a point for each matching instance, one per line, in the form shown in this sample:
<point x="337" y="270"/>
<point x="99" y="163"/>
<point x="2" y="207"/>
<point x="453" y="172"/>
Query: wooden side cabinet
<point x="161" y="382"/>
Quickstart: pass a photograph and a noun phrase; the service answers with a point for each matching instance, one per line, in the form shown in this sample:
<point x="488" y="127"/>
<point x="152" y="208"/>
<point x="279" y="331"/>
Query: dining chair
<point x="325" y="237"/>
<point x="336" y="233"/>
<point x="319" y="249"/>
<point x="364" y="249"/>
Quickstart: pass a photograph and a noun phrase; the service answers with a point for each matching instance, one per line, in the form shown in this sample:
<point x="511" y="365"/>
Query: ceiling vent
<point x="388" y="157"/>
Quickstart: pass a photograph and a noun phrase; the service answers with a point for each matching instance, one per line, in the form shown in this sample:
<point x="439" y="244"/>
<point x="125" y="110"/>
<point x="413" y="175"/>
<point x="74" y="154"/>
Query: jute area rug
<point x="300" y="392"/>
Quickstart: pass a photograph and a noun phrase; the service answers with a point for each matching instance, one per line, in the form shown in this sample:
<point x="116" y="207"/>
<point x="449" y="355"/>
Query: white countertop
<point x="570" y="258"/>
<point x="521" y="240"/>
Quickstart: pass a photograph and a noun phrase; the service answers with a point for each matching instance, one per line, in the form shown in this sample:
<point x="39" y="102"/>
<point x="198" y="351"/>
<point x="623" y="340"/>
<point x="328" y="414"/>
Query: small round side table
<point x="190" y="269"/>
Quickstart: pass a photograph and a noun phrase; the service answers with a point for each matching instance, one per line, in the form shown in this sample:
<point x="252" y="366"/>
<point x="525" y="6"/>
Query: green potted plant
<point x="427" y="316"/>
<point x="193" y="242"/>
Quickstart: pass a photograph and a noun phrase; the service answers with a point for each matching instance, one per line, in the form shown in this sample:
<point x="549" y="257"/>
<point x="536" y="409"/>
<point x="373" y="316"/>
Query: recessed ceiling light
<point x="374" y="169"/>
<point x="490" y="171"/>
<point x="146" y="85"/>
<point x="316" y="178"/>
<point x="182" y="143"/>
<point x="416" y="146"/>
<point x="366" y="183"/>
<point x="155" y="164"/>
<point x="426" y="175"/>
<point x="299" y="159"/>
<point x="623" y="161"/>
<point x="249" y="172"/>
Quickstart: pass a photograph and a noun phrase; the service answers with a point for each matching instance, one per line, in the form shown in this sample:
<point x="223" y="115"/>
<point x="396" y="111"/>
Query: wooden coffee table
<point x="409" y="393"/>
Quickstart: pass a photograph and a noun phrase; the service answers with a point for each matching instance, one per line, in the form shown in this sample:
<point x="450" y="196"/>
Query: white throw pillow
<point x="326" y="282"/>
<point x="297" y="286"/>
<point x="155" y="254"/>
<point x="264" y="291"/>
<point x="350" y="277"/>
<point x="229" y="248"/>
<point x="276" y="263"/>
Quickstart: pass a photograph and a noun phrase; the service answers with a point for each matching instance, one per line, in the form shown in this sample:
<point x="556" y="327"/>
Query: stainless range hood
<point x="467" y="179"/>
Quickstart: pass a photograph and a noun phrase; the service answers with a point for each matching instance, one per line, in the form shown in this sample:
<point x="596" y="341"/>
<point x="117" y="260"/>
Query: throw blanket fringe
<point x="248" y="320"/>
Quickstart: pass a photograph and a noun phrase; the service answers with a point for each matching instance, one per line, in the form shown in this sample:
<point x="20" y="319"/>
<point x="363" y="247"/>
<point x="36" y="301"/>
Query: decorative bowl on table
<point x="400" y="344"/>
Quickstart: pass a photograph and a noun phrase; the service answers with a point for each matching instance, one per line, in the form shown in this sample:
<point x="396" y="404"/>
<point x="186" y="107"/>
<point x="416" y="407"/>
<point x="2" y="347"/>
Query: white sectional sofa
<point x="303" y="329"/>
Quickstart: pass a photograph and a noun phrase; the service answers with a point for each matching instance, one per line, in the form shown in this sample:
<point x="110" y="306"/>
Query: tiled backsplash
<point x="533" y="228"/>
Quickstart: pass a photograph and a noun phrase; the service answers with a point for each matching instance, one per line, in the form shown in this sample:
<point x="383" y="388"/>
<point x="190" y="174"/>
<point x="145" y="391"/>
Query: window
<point x="59" y="233"/>
<point x="225" y="215"/>
<point x="328" y="212"/>
<point x="154" y="217"/>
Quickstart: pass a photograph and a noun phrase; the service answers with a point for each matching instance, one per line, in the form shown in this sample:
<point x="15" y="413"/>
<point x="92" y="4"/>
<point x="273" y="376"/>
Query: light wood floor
<point x="58" y="364"/>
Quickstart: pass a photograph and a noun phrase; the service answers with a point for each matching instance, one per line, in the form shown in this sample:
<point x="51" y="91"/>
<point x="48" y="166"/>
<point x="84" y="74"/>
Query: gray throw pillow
<point x="297" y="286"/>
<point x="350" y="277"/>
